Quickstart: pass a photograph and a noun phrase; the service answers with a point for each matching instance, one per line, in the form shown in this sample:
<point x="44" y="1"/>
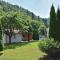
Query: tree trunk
<point x="10" y="35"/>
<point x="28" y="37"/>
<point x="9" y="39"/>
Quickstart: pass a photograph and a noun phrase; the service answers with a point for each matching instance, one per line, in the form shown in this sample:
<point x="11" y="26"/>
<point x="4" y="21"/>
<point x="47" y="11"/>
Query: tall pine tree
<point x="52" y="29"/>
<point x="58" y="24"/>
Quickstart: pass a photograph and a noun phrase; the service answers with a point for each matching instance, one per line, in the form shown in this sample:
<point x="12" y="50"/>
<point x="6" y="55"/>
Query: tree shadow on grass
<point x="1" y="53"/>
<point x="16" y="45"/>
<point x="47" y="57"/>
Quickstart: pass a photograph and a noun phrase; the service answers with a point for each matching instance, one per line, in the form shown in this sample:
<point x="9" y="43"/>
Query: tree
<point x="58" y="24"/>
<point x="32" y="16"/>
<point x="1" y="47"/>
<point x="9" y="22"/>
<point x="52" y="30"/>
<point x="43" y="31"/>
<point x="27" y="27"/>
<point x="38" y="18"/>
<point x="35" y="26"/>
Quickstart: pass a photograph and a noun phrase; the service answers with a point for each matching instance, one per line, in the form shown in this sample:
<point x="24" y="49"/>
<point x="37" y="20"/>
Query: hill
<point x="6" y="7"/>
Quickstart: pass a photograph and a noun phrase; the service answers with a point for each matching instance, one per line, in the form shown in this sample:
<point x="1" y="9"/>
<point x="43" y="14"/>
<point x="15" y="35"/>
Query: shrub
<point x="49" y="46"/>
<point x="1" y="47"/>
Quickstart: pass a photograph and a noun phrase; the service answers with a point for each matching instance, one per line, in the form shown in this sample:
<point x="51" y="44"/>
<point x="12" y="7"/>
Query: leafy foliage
<point x="15" y="17"/>
<point x="49" y="46"/>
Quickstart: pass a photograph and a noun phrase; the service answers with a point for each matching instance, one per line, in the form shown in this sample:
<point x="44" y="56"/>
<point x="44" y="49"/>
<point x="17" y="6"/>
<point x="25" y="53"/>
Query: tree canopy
<point x="15" y="17"/>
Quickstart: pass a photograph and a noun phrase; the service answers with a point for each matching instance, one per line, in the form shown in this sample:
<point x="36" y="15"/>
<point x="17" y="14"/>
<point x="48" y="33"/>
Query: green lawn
<point x="22" y="51"/>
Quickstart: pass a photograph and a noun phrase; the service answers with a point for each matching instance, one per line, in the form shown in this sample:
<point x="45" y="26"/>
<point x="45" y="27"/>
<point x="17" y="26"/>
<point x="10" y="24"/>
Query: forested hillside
<point x="6" y="7"/>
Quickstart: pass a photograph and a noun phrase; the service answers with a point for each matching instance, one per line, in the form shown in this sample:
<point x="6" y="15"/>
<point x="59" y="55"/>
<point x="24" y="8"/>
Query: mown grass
<point x="22" y="51"/>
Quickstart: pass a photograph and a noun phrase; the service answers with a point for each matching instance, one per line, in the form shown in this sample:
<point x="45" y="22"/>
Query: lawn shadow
<point x="16" y="45"/>
<point x="46" y="57"/>
<point x="1" y="53"/>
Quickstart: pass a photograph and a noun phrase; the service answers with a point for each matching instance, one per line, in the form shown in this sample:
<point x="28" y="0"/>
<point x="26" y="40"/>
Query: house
<point x="17" y="36"/>
<point x="27" y="36"/>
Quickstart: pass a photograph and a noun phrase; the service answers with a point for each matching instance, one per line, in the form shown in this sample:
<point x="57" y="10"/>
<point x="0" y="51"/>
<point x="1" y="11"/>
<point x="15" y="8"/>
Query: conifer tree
<point x="52" y="29"/>
<point x="58" y="24"/>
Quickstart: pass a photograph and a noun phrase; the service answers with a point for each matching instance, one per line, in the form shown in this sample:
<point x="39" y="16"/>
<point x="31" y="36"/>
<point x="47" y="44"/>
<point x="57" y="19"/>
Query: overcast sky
<point x="39" y="7"/>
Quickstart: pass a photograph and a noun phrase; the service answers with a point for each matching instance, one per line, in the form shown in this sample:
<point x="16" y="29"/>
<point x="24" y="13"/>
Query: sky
<point x="38" y="7"/>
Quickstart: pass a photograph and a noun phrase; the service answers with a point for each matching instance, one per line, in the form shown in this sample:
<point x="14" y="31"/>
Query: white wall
<point x="15" y="38"/>
<point x="41" y="37"/>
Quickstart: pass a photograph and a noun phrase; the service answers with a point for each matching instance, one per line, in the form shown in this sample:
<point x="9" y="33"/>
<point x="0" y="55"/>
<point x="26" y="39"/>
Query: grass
<point x="22" y="51"/>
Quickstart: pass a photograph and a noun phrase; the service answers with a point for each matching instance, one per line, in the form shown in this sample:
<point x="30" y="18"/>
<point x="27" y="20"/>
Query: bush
<point x="49" y="46"/>
<point x="1" y="47"/>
